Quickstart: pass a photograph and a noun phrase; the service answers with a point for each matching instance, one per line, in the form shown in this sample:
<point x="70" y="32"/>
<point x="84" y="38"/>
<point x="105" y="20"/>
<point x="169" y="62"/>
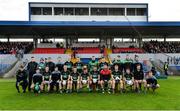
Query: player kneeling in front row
<point x="65" y="79"/>
<point x="55" y="80"/>
<point x="128" y="79"/>
<point x="152" y="81"/>
<point x="105" y="76"/>
<point x="85" y="79"/>
<point x="37" y="85"/>
<point x="21" y="79"/>
<point x="75" y="78"/>
<point x="94" y="79"/>
<point x="46" y="79"/>
<point x="139" y="79"/>
<point x="116" y="79"/>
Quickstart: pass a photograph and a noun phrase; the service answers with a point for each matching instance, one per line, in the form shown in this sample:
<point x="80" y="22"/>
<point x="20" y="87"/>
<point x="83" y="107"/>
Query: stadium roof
<point x="65" y="28"/>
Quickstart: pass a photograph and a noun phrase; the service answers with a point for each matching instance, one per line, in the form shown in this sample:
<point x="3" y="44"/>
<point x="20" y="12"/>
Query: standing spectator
<point x="166" y="68"/>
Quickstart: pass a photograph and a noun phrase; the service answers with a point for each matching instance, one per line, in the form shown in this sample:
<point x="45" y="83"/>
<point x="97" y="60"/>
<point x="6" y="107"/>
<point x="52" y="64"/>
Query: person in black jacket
<point x="59" y="64"/>
<point x="136" y="62"/>
<point x="32" y="66"/>
<point x="50" y="64"/>
<point x="69" y="64"/>
<point x="21" y="79"/>
<point x="139" y="79"/>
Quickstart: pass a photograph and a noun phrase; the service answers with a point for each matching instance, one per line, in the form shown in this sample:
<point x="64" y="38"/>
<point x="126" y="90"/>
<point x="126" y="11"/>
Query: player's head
<point x="128" y="71"/>
<point x="138" y="67"/>
<point x="103" y="59"/>
<point x="49" y="59"/>
<point x="136" y="58"/>
<point x="127" y="57"/>
<point x="105" y="66"/>
<point x="46" y="60"/>
<point x="41" y="60"/>
<point x="95" y="68"/>
<point x="46" y="69"/>
<point x="118" y="57"/>
<point x="150" y="73"/>
<point x="65" y="67"/>
<point x="56" y="68"/>
<point x="116" y="67"/>
<point x="78" y="59"/>
<point x="74" y="69"/>
<point x="85" y="69"/>
<point x="21" y="67"/>
<point x="93" y="58"/>
<point x="32" y="59"/>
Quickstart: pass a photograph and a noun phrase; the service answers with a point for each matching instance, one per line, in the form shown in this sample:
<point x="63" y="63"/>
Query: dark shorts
<point x="105" y="77"/>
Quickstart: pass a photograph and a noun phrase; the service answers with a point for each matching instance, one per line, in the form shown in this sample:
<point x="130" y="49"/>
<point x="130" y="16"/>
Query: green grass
<point x="167" y="97"/>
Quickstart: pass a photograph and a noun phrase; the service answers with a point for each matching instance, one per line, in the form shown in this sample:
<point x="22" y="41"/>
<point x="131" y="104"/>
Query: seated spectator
<point x="14" y="47"/>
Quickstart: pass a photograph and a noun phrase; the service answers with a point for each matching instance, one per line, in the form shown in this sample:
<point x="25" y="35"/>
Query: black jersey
<point x="101" y="65"/>
<point x="152" y="80"/>
<point x="55" y="76"/>
<point x="60" y="66"/>
<point x="46" y="76"/>
<point x="95" y="74"/>
<point x="84" y="76"/>
<point x="21" y="75"/>
<point x="135" y="66"/>
<point x="116" y="74"/>
<point x="32" y="66"/>
<point x="37" y="78"/>
<point x="79" y="66"/>
<point x="75" y="76"/>
<point x="65" y="75"/>
<point x="69" y="65"/>
<point x="128" y="76"/>
<point x="138" y="75"/>
<point x="51" y="66"/>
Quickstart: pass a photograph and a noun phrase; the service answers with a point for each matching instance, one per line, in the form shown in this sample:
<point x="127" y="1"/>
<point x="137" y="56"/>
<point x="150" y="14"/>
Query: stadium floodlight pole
<point x="134" y="28"/>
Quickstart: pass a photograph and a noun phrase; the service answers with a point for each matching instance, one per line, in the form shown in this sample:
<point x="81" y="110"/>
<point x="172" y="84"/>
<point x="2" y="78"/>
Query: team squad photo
<point x="89" y="55"/>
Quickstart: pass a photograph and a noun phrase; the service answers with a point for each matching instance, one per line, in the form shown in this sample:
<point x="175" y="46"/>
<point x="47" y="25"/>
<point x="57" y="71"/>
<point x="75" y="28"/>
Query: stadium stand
<point x="127" y="50"/>
<point x="161" y="47"/>
<point x="124" y="44"/>
<point x="13" y="47"/>
<point x="87" y="44"/>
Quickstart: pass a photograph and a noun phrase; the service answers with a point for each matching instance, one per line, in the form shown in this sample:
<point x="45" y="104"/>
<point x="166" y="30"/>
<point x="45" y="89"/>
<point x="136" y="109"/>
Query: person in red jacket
<point x="105" y="76"/>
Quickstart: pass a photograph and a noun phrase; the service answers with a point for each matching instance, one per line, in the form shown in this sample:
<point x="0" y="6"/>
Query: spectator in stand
<point x="162" y="47"/>
<point x="13" y="47"/>
<point x="57" y="45"/>
<point x="61" y="45"/>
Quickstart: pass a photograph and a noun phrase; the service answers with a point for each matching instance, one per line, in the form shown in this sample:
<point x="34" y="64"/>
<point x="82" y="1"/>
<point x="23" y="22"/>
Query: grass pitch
<point x="165" y="98"/>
